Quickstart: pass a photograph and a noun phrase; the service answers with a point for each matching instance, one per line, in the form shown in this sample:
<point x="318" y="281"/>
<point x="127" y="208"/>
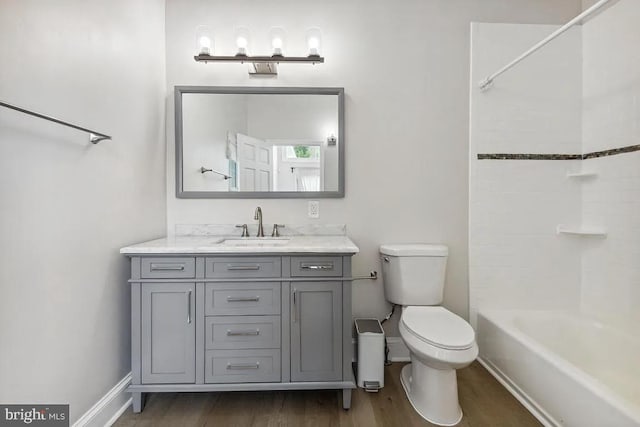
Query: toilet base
<point x="433" y="393"/>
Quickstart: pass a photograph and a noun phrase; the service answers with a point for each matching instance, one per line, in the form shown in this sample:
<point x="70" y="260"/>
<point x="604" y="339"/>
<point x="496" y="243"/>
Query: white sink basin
<point x="259" y="241"/>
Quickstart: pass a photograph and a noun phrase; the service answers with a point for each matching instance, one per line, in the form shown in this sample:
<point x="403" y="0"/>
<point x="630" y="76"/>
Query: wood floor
<point x="484" y="403"/>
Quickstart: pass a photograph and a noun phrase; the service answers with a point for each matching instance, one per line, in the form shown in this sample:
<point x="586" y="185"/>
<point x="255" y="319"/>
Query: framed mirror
<point x="259" y="142"/>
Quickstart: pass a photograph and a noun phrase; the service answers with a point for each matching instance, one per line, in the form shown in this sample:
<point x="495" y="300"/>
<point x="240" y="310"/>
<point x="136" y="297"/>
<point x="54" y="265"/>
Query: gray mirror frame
<point x="182" y="194"/>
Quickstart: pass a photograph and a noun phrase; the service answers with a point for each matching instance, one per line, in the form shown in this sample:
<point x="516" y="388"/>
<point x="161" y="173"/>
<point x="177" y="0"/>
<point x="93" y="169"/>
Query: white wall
<point x="610" y="267"/>
<point x="405" y="70"/>
<point x="516" y="258"/>
<point x="67" y="206"/>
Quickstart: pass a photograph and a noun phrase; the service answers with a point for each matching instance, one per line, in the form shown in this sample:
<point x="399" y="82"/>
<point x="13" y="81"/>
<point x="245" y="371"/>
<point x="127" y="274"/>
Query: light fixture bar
<point x="247" y="58"/>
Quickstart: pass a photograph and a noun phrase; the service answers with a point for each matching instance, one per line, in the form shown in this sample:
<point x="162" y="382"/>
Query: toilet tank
<point x="414" y="274"/>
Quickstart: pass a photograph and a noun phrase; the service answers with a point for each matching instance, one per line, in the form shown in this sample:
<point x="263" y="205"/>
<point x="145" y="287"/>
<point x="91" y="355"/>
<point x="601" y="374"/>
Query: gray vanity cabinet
<point x="168" y="333"/>
<point x="234" y="322"/>
<point x="316" y="331"/>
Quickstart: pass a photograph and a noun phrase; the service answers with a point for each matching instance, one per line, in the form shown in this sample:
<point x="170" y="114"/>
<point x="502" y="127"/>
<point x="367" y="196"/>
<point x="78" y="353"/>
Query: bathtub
<point x="567" y="369"/>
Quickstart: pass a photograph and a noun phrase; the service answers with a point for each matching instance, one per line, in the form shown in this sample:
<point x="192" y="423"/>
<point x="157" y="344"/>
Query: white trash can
<point x="370" y="354"/>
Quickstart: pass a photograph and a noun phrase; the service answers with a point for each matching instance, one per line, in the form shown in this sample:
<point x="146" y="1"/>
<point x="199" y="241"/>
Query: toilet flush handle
<point x="385" y="258"/>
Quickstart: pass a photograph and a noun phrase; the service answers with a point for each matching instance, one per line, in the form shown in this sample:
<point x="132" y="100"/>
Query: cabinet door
<point x="168" y="333"/>
<point x="316" y="331"/>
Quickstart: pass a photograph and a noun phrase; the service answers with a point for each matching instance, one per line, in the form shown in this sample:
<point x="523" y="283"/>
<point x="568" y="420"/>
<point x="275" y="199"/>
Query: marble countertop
<point x="216" y="245"/>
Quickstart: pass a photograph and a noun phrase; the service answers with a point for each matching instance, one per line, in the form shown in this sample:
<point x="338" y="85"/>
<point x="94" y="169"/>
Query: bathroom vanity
<point x="216" y="314"/>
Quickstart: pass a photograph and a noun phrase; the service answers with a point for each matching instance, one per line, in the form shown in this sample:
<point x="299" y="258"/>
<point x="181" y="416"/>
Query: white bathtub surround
<point x="287" y="230"/>
<point x="611" y="115"/>
<point x="568" y="368"/>
<point x="516" y="258"/>
<point x="217" y="245"/>
<point x="591" y="267"/>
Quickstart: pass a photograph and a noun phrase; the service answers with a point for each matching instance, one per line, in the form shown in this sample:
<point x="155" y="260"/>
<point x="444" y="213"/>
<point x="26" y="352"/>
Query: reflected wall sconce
<point x="261" y="64"/>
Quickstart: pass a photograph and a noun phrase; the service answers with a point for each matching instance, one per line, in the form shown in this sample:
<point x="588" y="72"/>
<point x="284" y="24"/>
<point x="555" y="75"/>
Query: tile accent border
<point x="592" y="155"/>
<point x="611" y="152"/>
<point x="506" y="156"/>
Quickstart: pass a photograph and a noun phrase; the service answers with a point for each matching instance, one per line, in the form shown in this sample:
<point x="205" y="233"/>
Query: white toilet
<point x="439" y="341"/>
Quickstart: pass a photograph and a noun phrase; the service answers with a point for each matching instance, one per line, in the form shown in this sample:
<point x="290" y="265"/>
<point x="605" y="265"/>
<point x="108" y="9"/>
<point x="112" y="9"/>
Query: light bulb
<point x="314" y="41"/>
<point x="205" y="44"/>
<point x="204" y="40"/>
<point x="242" y="40"/>
<point x="278" y="38"/>
<point x="313" y="46"/>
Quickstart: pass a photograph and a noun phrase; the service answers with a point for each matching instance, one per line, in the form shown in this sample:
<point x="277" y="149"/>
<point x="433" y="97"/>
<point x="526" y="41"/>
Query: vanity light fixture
<point x="261" y="64"/>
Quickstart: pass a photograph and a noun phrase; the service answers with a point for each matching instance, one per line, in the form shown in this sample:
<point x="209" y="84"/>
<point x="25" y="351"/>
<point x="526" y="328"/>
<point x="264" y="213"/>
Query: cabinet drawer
<point x="242" y="366"/>
<point x="168" y="268"/>
<point x="323" y="266"/>
<point x="242" y="267"/>
<point x="237" y="298"/>
<point x="242" y="332"/>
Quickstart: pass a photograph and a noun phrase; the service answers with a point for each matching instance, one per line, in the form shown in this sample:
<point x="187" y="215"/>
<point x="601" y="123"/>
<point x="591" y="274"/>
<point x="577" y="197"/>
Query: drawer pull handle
<point x="167" y="267"/>
<point x="243" y="299"/>
<point x="316" y="266"/>
<point x="231" y="333"/>
<point x="244" y="267"/>
<point x="232" y="366"/>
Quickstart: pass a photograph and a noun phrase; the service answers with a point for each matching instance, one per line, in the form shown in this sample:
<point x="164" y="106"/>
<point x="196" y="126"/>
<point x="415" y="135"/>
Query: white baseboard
<point x="398" y="352"/>
<point x="109" y="408"/>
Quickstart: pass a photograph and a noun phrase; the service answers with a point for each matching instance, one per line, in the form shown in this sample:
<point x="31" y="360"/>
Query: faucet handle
<point x="276" y="231"/>
<point x="245" y="230"/>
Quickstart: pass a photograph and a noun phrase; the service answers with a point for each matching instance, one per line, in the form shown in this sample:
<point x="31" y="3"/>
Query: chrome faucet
<point x="258" y="216"/>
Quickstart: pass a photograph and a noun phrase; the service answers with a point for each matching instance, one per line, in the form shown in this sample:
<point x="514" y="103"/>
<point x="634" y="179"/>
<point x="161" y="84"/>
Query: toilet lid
<point x="439" y="327"/>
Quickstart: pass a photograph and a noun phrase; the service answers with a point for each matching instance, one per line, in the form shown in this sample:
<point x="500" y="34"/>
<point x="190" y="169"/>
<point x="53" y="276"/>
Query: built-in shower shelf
<point x="581" y="231"/>
<point x="584" y="174"/>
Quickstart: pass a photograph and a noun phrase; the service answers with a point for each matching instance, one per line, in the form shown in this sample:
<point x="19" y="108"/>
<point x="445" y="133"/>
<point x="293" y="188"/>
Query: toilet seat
<point x="438" y="327"/>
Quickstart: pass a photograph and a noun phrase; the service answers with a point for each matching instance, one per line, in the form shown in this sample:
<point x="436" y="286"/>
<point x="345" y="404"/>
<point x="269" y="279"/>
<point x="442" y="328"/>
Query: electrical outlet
<point x="313" y="209"/>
